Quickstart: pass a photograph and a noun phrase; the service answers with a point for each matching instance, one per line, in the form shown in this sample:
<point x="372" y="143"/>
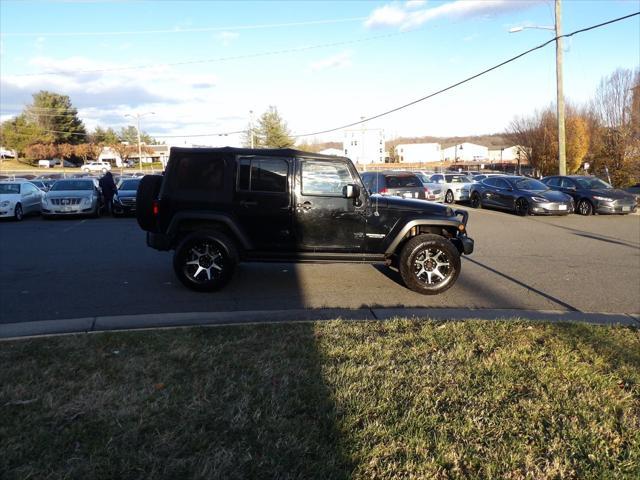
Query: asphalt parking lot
<point x="88" y="267"/>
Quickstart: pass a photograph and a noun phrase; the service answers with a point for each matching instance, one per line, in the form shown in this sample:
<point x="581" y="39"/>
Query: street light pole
<point x="562" y="158"/>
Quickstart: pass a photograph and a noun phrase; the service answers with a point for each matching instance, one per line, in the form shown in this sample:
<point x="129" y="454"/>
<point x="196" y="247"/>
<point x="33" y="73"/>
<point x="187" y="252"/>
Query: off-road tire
<point x="425" y="259"/>
<point x="205" y="261"/>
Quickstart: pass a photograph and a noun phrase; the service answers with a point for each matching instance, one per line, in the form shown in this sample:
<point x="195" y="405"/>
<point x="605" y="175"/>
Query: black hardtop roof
<point x="271" y="152"/>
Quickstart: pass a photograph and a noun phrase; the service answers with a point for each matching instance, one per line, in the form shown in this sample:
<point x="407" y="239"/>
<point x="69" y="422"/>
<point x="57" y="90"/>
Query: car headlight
<point x="6" y="203"/>
<point x="539" y="199"/>
<point x="602" y="199"/>
<point x="87" y="200"/>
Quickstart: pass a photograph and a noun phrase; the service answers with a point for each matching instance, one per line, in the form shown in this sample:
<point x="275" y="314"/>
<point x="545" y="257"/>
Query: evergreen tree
<point x="55" y="114"/>
<point x="272" y="131"/>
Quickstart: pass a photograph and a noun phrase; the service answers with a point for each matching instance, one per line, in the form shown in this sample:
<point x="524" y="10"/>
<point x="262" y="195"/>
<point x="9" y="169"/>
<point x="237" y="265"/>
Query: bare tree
<point x="616" y="145"/>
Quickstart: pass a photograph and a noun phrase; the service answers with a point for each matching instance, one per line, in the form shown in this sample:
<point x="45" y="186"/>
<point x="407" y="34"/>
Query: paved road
<point x="80" y="268"/>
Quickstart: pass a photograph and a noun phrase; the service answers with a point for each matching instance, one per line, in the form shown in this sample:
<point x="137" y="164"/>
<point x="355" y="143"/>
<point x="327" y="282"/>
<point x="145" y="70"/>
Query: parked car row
<point x="553" y="195"/>
<point x="65" y="197"/>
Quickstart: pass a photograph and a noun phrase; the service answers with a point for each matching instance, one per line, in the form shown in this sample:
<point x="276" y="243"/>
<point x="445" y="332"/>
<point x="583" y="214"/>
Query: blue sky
<point x="323" y="64"/>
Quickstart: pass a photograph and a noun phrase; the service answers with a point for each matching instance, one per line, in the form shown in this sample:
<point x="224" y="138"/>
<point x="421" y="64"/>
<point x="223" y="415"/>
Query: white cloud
<point x="340" y="60"/>
<point x="408" y="16"/>
<point x="227" y="37"/>
<point x="387" y="16"/>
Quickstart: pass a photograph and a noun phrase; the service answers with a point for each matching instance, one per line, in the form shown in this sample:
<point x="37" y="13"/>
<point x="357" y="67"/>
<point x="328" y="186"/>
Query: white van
<point x="46" y="163"/>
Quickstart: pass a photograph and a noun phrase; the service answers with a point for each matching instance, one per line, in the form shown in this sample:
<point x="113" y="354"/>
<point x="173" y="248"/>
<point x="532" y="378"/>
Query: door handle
<point x="305" y="206"/>
<point x="248" y="203"/>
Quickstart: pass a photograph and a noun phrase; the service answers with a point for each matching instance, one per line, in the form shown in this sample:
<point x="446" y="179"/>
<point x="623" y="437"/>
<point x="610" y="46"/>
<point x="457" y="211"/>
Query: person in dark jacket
<point x="109" y="189"/>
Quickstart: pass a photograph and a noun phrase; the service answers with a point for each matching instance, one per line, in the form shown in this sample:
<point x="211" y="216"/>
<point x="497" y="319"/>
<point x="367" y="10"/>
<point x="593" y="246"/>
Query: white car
<point x="19" y="198"/>
<point x="73" y="196"/>
<point x="455" y="186"/>
<point x="103" y="167"/>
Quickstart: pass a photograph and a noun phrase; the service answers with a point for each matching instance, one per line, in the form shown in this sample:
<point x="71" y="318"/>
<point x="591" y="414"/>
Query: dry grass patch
<point x="400" y="399"/>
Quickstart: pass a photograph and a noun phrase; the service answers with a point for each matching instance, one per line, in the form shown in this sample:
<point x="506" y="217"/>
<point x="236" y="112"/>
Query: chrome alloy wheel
<point x="204" y="261"/>
<point x="432" y="266"/>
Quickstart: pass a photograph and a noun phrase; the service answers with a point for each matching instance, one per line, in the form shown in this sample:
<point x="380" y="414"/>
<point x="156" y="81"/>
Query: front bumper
<point x="6" y="213"/>
<point x="615" y="207"/>
<point x="461" y="195"/>
<point x="72" y="210"/>
<point x="551" y="208"/>
<point x="464" y="244"/>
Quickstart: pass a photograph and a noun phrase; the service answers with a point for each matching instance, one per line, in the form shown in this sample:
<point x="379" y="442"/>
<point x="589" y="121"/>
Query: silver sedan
<point x="78" y="196"/>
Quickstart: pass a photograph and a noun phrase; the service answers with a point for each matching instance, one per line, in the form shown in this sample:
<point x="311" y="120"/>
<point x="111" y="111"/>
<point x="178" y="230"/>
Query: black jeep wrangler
<point x="219" y="206"/>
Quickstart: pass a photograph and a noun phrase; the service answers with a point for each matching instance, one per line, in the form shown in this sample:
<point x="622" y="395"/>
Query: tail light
<point x="384" y="191"/>
<point x="426" y="190"/>
<point x="156" y="208"/>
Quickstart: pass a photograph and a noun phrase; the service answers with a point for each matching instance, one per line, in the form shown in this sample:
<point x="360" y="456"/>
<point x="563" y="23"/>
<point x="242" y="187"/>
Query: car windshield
<point x="423" y="177"/>
<point x="457" y="179"/>
<point x="403" y="181"/>
<point x="530" y="184"/>
<point x="62" y="185"/>
<point x="9" y="188"/>
<point x="593" y="184"/>
<point x="129" y="184"/>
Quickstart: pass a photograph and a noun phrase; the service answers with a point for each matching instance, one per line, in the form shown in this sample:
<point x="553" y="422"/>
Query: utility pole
<point x="137" y="116"/>
<point x="251" y="127"/>
<point x="562" y="158"/>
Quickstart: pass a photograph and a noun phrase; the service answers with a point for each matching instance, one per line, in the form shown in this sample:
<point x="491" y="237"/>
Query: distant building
<point x="466" y="152"/>
<point x="159" y="153"/>
<point x="507" y="154"/>
<point x="336" y="152"/>
<point x="364" y="146"/>
<point x="418" y="152"/>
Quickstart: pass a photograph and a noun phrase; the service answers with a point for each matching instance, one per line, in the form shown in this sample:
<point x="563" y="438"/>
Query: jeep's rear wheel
<point x="429" y="264"/>
<point x="205" y="261"/>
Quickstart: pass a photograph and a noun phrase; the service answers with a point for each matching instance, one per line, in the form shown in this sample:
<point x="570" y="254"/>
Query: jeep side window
<point x="263" y="175"/>
<point x="324" y="177"/>
<point x="199" y="172"/>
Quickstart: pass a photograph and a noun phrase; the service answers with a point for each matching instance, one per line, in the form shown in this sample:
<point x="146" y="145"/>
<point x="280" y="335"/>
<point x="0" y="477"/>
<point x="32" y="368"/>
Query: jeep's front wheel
<point x="429" y="264"/>
<point x="205" y="261"/>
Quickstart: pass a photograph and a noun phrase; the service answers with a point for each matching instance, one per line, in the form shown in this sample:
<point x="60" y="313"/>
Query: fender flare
<point x="426" y="222"/>
<point x="225" y="219"/>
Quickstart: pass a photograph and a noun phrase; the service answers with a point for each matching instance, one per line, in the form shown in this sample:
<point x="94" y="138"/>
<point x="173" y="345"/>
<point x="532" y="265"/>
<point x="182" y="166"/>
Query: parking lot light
<point x="137" y="116"/>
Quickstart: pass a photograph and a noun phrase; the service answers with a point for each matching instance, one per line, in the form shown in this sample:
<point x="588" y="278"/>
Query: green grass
<point x="369" y="400"/>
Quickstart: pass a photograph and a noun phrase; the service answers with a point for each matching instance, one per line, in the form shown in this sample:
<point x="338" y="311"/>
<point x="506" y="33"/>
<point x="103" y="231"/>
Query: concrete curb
<point x="172" y="320"/>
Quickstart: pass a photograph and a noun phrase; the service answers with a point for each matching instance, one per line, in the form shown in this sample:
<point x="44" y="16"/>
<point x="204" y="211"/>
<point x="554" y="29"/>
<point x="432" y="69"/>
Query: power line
<point x="468" y="79"/>
<point x="401" y="107"/>
<point x="221" y="59"/>
<point x="182" y="30"/>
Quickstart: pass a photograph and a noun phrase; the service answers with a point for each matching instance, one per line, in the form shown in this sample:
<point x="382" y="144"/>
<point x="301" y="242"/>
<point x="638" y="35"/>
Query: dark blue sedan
<point x="592" y="195"/>
<point x="522" y="195"/>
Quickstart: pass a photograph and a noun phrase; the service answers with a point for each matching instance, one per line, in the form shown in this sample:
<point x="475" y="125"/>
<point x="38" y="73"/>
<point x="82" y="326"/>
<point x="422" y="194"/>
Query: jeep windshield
<point x="67" y="185"/>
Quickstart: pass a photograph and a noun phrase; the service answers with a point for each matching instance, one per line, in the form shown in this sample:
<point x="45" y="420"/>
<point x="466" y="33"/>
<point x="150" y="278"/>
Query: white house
<point x="418" y="152"/>
<point x="506" y="154"/>
<point x="364" y="146"/>
<point x="336" y="152"/>
<point x="467" y="152"/>
<point x="159" y="153"/>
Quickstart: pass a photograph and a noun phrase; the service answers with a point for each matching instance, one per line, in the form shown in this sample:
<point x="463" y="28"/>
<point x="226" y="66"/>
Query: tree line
<point x="50" y="128"/>
<point x="604" y="133"/>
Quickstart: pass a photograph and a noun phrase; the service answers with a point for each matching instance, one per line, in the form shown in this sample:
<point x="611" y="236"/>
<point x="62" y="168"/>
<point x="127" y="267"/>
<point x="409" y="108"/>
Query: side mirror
<point x="350" y="191"/>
